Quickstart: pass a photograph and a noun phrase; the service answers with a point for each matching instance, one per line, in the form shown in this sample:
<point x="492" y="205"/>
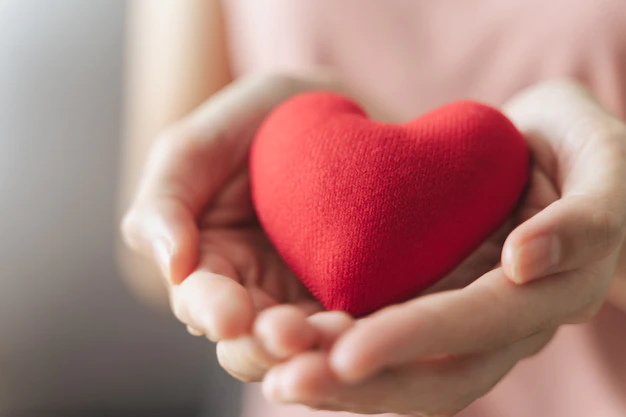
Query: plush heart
<point x="369" y="214"/>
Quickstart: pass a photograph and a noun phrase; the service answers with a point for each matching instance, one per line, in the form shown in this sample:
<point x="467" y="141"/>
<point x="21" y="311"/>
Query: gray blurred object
<point x="72" y="340"/>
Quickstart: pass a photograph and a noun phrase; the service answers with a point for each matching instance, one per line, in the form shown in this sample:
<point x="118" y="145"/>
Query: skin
<point x="176" y="60"/>
<point x="188" y="213"/>
<point x="447" y="349"/>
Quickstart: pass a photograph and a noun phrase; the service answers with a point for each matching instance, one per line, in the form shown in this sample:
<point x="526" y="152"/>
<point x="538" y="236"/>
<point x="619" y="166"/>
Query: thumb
<point x="166" y="232"/>
<point x="187" y="165"/>
<point x="589" y="149"/>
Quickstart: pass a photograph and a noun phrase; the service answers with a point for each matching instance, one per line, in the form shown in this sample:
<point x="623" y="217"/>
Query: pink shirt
<point x="413" y="55"/>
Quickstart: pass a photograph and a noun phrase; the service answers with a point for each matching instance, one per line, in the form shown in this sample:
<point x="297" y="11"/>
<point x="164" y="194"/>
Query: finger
<point x="284" y="331"/>
<point x="588" y="223"/>
<point x="298" y="379"/>
<point x="244" y="358"/>
<point x="194" y="332"/>
<point x="570" y="233"/>
<point x="330" y="325"/>
<point x="441" y="387"/>
<point x="287" y="330"/>
<point x="213" y="304"/>
<point x="490" y="313"/>
<point x="165" y="231"/>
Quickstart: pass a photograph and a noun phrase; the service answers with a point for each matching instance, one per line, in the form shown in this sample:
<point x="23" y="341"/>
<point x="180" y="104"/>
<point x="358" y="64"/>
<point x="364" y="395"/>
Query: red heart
<point x="369" y="214"/>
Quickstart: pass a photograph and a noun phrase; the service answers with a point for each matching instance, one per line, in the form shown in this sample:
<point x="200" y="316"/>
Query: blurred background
<point x="73" y="341"/>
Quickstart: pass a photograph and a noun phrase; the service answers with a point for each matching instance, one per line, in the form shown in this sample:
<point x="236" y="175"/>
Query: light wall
<point x="71" y="337"/>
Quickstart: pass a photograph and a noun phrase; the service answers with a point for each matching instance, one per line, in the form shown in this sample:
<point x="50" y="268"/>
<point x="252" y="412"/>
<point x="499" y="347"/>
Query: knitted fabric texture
<point x="368" y="214"/>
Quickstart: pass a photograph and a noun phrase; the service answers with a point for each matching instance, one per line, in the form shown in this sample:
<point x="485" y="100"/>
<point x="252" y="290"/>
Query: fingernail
<point x="163" y="255"/>
<point x="536" y="258"/>
<point x="271" y="386"/>
<point x="194" y="332"/>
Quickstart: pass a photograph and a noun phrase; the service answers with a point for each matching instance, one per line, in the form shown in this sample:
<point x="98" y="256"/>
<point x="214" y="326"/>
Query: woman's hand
<point x="193" y="216"/>
<point x="436" y="354"/>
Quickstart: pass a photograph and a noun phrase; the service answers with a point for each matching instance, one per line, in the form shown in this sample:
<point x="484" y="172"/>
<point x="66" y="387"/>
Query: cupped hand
<point x="194" y="217"/>
<point x="436" y="354"/>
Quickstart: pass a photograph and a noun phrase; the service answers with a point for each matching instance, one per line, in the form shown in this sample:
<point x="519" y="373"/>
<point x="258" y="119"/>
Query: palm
<point x="233" y="241"/>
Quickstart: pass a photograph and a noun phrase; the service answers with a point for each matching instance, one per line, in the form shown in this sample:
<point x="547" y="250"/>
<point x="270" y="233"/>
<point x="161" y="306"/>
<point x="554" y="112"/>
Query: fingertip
<point x="531" y="257"/>
<point x="194" y="332"/>
<point x="344" y="366"/>
<point x="232" y="311"/>
<point x="511" y="252"/>
<point x="271" y="384"/>
<point x="284" y="331"/>
<point x="244" y="358"/>
<point x="348" y="357"/>
<point x="304" y="378"/>
<point x="330" y="325"/>
<point x="509" y="262"/>
<point x="214" y="304"/>
<point x="166" y="232"/>
<point x="371" y="344"/>
<point x="332" y="319"/>
<point x="183" y="239"/>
